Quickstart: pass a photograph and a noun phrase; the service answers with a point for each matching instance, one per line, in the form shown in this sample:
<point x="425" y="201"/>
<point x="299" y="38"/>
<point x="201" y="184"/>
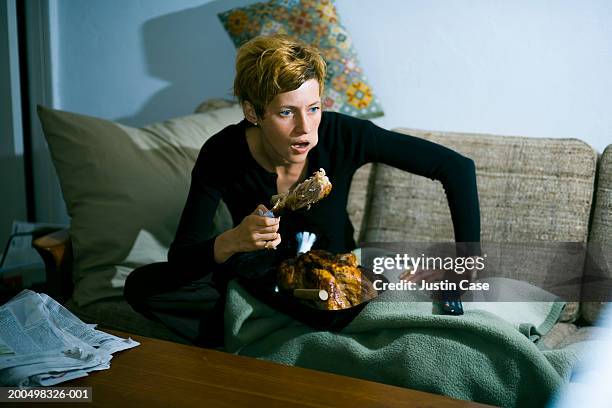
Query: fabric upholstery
<point x="316" y="22"/>
<point x="524" y="184"/>
<point x="358" y="199"/>
<point x="557" y="334"/>
<point x="116" y="314"/>
<point x="601" y="233"/>
<point x="583" y="334"/>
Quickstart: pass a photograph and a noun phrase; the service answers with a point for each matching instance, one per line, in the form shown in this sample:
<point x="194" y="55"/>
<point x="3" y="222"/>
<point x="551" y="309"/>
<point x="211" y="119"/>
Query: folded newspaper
<point x="42" y="343"/>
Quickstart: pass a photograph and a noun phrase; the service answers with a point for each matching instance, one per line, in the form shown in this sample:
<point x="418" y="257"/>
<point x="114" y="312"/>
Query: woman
<point x="284" y="138"/>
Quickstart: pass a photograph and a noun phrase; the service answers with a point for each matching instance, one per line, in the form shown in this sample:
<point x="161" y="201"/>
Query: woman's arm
<point x="457" y="174"/>
<point x="192" y="253"/>
<point x="196" y="251"/>
<point x="419" y="156"/>
<point x="253" y="233"/>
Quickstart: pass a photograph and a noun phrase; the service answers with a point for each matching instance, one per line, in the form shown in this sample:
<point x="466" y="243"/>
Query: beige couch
<point x="531" y="190"/>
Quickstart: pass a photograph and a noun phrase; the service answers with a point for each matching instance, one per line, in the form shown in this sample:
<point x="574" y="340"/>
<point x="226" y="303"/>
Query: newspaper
<point x="42" y="343"/>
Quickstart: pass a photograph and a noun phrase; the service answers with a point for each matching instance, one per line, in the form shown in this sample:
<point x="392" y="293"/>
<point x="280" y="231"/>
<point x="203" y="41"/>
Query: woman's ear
<point x="249" y="112"/>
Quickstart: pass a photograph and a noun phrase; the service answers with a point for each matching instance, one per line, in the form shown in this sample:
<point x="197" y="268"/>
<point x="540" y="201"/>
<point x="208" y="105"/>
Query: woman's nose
<point x="304" y="124"/>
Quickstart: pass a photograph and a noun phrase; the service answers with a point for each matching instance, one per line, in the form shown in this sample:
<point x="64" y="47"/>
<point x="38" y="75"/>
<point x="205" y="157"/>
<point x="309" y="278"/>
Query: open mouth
<point x="300" y="148"/>
<point x="300" y="145"/>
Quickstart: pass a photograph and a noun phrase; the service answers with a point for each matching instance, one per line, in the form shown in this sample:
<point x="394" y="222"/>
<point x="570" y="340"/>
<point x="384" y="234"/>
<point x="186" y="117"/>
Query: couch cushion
<point x="584" y="334"/>
<point x="600" y="235"/>
<point x="557" y="335"/>
<point x="125" y="189"/>
<point x="523" y="184"/>
<point x="567" y="334"/>
<point x="530" y="190"/>
<point x="117" y="314"/>
<point x="358" y="198"/>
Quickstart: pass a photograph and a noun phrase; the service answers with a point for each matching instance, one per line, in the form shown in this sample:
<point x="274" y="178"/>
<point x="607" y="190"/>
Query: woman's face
<point x="291" y="122"/>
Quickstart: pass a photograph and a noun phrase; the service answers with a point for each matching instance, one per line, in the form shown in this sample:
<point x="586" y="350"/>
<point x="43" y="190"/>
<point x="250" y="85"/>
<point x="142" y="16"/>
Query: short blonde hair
<point x="269" y="65"/>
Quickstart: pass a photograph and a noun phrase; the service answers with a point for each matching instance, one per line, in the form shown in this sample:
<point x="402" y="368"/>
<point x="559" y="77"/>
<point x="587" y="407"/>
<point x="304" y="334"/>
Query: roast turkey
<point x="338" y="274"/>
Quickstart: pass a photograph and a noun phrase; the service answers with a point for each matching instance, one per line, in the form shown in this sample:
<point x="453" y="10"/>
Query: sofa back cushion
<point x="530" y="189"/>
<point x="595" y="290"/>
<point x="125" y="189"/>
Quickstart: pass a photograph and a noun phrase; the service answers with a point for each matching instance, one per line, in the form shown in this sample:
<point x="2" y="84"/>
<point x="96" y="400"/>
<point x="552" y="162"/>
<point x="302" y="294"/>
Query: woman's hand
<point x="255" y="232"/>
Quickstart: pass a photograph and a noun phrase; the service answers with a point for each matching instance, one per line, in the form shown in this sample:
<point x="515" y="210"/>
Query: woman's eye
<point x="314" y="109"/>
<point x="285" y="112"/>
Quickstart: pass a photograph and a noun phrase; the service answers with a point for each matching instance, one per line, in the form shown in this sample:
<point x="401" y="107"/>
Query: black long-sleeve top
<point x="226" y="169"/>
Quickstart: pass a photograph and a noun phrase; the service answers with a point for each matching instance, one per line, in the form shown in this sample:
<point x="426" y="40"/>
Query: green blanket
<point x="487" y="355"/>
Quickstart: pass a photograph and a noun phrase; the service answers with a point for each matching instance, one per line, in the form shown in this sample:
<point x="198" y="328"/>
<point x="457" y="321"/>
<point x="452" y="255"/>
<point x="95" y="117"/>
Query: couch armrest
<point x="56" y="251"/>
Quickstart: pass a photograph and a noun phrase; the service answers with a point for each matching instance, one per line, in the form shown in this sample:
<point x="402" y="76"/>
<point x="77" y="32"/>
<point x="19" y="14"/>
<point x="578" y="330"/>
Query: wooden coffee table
<point x="159" y="373"/>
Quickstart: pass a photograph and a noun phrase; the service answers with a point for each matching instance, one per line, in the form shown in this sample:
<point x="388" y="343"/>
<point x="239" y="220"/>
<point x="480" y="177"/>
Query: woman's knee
<point x="144" y="282"/>
<point x="130" y="288"/>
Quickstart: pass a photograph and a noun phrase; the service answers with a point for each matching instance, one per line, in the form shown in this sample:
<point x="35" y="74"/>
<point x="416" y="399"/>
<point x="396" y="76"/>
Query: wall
<point x="142" y="61"/>
<point x="525" y="67"/>
<point x="12" y="181"/>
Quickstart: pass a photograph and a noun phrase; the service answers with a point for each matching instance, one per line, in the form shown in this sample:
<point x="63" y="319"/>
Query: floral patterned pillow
<point x="315" y="22"/>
